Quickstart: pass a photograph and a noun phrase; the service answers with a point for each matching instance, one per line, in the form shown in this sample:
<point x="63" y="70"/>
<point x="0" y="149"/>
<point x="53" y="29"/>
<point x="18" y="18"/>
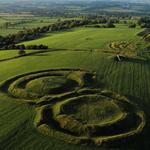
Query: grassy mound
<point x="99" y="110"/>
<point x="35" y="85"/>
<point x="90" y="116"/>
<point x="50" y="85"/>
<point x="121" y="45"/>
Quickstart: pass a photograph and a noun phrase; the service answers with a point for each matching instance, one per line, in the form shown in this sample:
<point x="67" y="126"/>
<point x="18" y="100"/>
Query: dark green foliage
<point x="110" y="24"/>
<point x="21" y="52"/>
<point x="132" y="25"/>
<point x="144" y="22"/>
<point x="145" y="32"/>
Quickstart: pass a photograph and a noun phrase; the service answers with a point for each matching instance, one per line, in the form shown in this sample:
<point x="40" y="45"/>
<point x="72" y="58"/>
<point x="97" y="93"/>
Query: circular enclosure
<point x="90" y="116"/>
<point x="38" y="84"/>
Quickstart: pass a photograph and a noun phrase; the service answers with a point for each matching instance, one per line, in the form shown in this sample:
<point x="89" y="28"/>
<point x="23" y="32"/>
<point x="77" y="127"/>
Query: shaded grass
<point x="7" y="55"/>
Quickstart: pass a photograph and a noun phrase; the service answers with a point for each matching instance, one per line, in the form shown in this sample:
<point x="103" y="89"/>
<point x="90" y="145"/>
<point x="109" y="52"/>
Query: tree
<point x="144" y="22"/>
<point x="22" y="50"/>
<point x="125" y="22"/>
<point x="6" y="25"/>
<point x="133" y="25"/>
<point x="110" y="25"/>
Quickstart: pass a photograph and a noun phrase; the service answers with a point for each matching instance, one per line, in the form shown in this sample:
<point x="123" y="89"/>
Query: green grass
<point x="6" y="32"/>
<point x="131" y="78"/>
<point x="48" y="82"/>
<point x="45" y="84"/>
<point x="11" y="53"/>
<point x="92" y="111"/>
<point x="7" y="54"/>
<point x="89" y="38"/>
<point x="126" y="78"/>
<point x="92" y="61"/>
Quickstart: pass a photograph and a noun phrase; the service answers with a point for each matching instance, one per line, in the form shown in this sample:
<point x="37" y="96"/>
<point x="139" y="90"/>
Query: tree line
<point x="144" y="22"/>
<point x="26" y="47"/>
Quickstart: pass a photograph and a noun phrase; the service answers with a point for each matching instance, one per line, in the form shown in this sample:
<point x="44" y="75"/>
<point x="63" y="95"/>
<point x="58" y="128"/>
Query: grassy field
<point x="11" y="53"/>
<point x="89" y="38"/>
<point x="130" y="77"/>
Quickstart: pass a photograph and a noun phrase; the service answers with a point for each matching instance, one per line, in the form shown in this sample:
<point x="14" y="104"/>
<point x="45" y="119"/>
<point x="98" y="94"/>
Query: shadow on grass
<point x="142" y="140"/>
<point x="29" y="54"/>
<point x="133" y="60"/>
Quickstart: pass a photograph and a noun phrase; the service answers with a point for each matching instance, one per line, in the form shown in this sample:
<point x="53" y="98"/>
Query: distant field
<point x="18" y="23"/>
<point x="16" y="14"/>
<point x="88" y="38"/>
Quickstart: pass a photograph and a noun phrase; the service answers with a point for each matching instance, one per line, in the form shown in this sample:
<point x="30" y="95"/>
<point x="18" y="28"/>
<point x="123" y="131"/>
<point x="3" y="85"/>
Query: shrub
<point x="21" y="52"/>
<point x="110" y="25"/>
<point x="132" y="25"/>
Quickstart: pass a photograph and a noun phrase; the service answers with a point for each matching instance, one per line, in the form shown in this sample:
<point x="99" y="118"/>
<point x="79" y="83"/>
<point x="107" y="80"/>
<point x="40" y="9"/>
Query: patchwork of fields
<point x="81" y="52"/>
<point x="14" y="24"/>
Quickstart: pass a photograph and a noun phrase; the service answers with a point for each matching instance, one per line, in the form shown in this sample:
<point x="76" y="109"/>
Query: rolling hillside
<point x="88" y="38"/>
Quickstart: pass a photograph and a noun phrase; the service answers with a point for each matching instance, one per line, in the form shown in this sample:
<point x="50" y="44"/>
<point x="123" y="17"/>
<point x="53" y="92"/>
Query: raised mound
<point x="35" y="85"/>
<point x="50" y="85"/>
<point x="91" y="116"/>
<point x="91" y="109"/>
<point x="121" y="45"/>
